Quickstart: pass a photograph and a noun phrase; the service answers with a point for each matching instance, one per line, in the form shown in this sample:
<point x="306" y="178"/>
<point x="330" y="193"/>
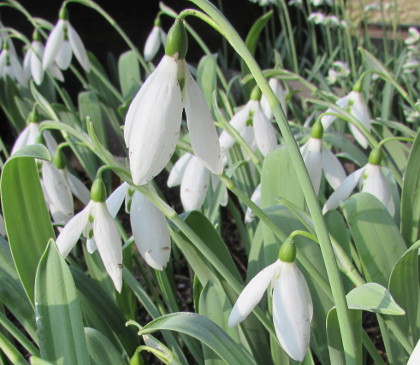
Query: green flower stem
<point x="18" y="335"/>
<point x="91" y="4"/>
<point x="302" y="173"/>
<point x="11" y="352"/>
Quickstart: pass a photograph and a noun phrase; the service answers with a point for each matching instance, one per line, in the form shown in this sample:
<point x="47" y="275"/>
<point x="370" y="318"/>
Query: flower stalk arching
<point x="303" y="176"/>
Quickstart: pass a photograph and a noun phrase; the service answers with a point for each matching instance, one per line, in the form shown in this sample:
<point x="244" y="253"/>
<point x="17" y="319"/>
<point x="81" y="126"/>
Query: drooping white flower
<point x="415" y="355"/>
<point x="281" y="95"/>
<point x="10" y="65"/>
<point x="254" y="127"/>
<point x="292" y="305"/>
<point x="153" y="121"/>
<point x="99" y="228"/>
<point x="29" y="136"/>
<point x="322" y="2"/>
<point x="371" y="180"/>
<point x="150" y="230"/>
<point x="414" y="36"/>
<point x="256" y="199"/>
<point x="62" y="42"/>
<point x="356" y="106"/>
<point x="316" y="18"/>
<point x="194" y="179"/>
<point x="339" y="70"/>
<point x="155" y="39"/>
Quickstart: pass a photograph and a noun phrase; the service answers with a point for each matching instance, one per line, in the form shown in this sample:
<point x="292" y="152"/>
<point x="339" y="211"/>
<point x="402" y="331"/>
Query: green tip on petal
<point x="317" y="130"/>
<point x="177" y="41"/>
<point x="256" y="93"/>
<point x="375" y="156"/>
<point x="287" y="251"/>
<point x="58" y="159"/>
<point x="64" y="14"/>
<point x="36" y="36"/>
<point x="358" y="86"/>
<point x="98" y="191"/>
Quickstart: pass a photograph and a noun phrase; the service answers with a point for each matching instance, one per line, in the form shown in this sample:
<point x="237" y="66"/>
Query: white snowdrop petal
<point x="252" y="294"/>
<point x="108" y="243"/>
<point x="334" y="171"/>
<point x="150" y="232"/>
<point x="292" y="311"/>
<point x="203" y="134"/>
<point x="18" y="71"/>
<point x="327" y="120"/>
<point x="360" y="111"/>
<point x="344" y="190"/>
<point x="152" y="44"/>
<point x="376" y="184"/>
<point x="156" y="123"/>
<point x="281" y="96"/>
<point x="35" y="62"/>
<point x="26" y="63"/>
<point x="79" y="190"/>
<point x="116" y="199"/>
<point x="3" y="62"/>
<point x="78" y="47"/>
<point x="313" y="162"/>
<point x="22" y="140"/>
<point x="64" y="55"/>
<point x="50" y="142"/>
<point x="58" y="193"/>
<point x="56" y="72"/>
<point x="238" y="122"/>
<point x="265" y="134"/>
<point x="178" y="169"/>
<point x="256" y="199"/>
<point x="72" y="231"/>
<point x="415" y="355"/>
<point x="91" y="245"/>
<point x="53" y="45"/>
<point x="194" y="185"/>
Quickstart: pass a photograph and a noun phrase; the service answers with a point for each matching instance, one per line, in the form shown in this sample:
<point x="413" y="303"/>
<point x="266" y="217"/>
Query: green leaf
<point x="101" y="350"/>
<point x="377" y="238"/>
<point x="59" y="318"/>
<point x="129" y="74"/>
<point x="26" y="217"/>
<point x="205" y="331"/>
<point x="9" y="93"/>
<point x="38" y="151"/>
<point x="44" y="103"/>
<point x="374" y="298"/>
<point x="207" y="77"/>
<point x="410" y="197"/>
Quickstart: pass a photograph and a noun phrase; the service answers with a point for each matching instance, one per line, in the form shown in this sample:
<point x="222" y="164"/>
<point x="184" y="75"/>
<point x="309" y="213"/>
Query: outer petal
<point x="252" y="294"/>
<point x="415" y="355"/>
<point x="281" y="95"/>
<point x="53" y="45"/>
<point x="177" y="172"/>
<point x="64" y="55"/>
<point x="256" y="198"/>
<point x="35" y="62"/>
<point x="238" y="122"/>
<point x="327" y="120"/>
<point x="150" y="232"/>
<point x="152" y="44"/>
<point x="360" y="111"/>
<point x="58" y="193"/>
<point x="154" y="120"/>
<point x="203" y="134"/>
<point x="91" y="245"/>
<point x="292" y="311"/>
<point x="18" y="71"/>
<point x="72" y="231"/>
<point x="22" y="140"/>
<point x="312" y="158"/>
<point x="344" y="190"/>
<point x="78" y="47"/>
<point x="79" y="190"/>
<point x="26" y="63"/>
<point x="265" y="134"/>
<point x="116" y="199"/>
<point x="56" y="72"/>
<point x="376" y="184"/>
<point x="333" y="169"/>
<point x="195" y="184"/>
<point x="108" y="242"/>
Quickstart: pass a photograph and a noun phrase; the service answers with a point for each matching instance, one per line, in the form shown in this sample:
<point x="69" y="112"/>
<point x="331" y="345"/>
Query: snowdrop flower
<point x="155" y="38"/>
<point x="371" y="7"/>
<point x="62" y="42"/>
<point x="339" y="70"/>
<point x="150" y="230"/>
<point x="32" y="63"/>
<point x="253" y="126"/>
<point x="332" y="21"/>
<point x="100" y="229"/>
<point x="371" y="179"/>
<point x="356" y="106"/>
<point x="414" y="36"/>
<point x="10" y="65"/>
<point x="318" y="158"/>
<point x="194" y="179"/>
<point x="58" y="185"/>
<point x="415" y="355"/>
<point x="153" y="120"/>
<point x="281" y="95"/>
<point x="256" y="199"/>
<point x="30" y="135"/>
<point x="316" y="18"/>
<point x="322" y="2"/>
<point x="292" y="303"/>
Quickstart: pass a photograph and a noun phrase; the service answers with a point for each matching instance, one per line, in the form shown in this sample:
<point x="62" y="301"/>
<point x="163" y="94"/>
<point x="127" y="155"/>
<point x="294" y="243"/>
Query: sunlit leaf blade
<point x="101" y="350"/>
<point x="129" y="73"/>
<point x="58" y="315"/>
<point x="205" y="331"/>
<point x="206" y="76"/>
<point x="26" y="217"/>
<point x="89" y="105"/>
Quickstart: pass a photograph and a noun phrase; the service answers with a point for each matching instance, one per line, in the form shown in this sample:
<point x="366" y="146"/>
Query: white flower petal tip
<point x="256" y="199"/>
<point x="252" y="293"/>
<point x="415" y="355"/>
<point x="53" y="45"/>
<point x="153" y="42"/>
<point x="292" y="311"/>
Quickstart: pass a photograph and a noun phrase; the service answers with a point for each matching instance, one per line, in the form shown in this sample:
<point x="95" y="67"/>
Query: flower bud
<point x="177" y="41"/>
<point x="287" y="251"/>
<point x="98" y="191"/>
